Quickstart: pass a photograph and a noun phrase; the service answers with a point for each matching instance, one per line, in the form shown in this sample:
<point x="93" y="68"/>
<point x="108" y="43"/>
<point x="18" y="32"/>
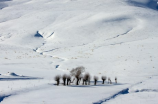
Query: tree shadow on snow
<point x="99" y="83"/>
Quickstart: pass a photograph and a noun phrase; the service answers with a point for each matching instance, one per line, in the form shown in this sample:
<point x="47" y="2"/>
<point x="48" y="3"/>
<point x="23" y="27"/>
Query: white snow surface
<point x="40" y="39"/>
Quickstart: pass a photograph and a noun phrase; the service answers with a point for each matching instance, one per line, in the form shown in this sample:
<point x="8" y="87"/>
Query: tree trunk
<point x="68" y="82"/>
<point x="83" y="82"/>
<point x="77" y="82"/>
<point x="103" y="81"/>
<point x="64" y="82"/>
<point x="58" y="83"/>
<point x="95" y="82"/>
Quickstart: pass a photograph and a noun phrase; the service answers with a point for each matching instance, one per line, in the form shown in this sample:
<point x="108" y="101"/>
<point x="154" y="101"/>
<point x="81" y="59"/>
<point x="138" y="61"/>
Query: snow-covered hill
<point x="44" y="38"/>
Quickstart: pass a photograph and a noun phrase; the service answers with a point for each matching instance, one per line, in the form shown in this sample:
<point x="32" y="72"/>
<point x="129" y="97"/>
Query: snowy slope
<point x="44" y="38"/>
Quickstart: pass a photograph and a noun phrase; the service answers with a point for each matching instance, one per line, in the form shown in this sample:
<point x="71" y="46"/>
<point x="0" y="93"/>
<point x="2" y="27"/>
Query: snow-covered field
<point x="40" y="39"/>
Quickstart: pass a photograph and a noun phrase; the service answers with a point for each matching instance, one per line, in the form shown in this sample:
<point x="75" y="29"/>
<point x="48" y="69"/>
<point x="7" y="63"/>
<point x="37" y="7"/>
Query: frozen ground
<point x="43" y="38"/>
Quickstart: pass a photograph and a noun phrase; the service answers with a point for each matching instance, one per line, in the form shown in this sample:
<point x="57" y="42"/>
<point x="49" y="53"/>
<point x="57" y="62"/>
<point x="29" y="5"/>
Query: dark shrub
<point x="95" y="80"/>
<point x="103" y="79"/>
<point x="86" y="79"/>
<point x="68" y="80"/>
<point x="57" y="79"/>
<point x="64" y="79"/>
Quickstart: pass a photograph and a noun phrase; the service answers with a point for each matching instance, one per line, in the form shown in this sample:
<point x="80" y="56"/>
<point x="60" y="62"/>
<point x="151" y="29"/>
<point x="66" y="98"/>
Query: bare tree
<point x="68" y="80"/>
<point x="109" y="81"/>
<point x="104" y="79"/>
<point x="87" y="79"/>
<point x="95" y="80"/>
<point x="64" y="79"/>
<point x="57" y="79"/>
<point x="77" y="73"/>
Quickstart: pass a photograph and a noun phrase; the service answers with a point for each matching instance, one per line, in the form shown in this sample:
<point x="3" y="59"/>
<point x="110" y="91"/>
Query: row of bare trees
<point x="77" y="75"/>
<point x="66" y="79"/>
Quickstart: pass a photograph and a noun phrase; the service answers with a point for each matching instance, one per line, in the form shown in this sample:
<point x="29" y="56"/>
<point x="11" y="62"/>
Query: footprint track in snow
<point x="42" y="52"/>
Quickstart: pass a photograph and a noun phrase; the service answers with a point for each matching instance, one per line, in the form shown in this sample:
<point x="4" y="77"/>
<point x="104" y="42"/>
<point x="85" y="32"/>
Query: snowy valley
<point x="40" y="39"/>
